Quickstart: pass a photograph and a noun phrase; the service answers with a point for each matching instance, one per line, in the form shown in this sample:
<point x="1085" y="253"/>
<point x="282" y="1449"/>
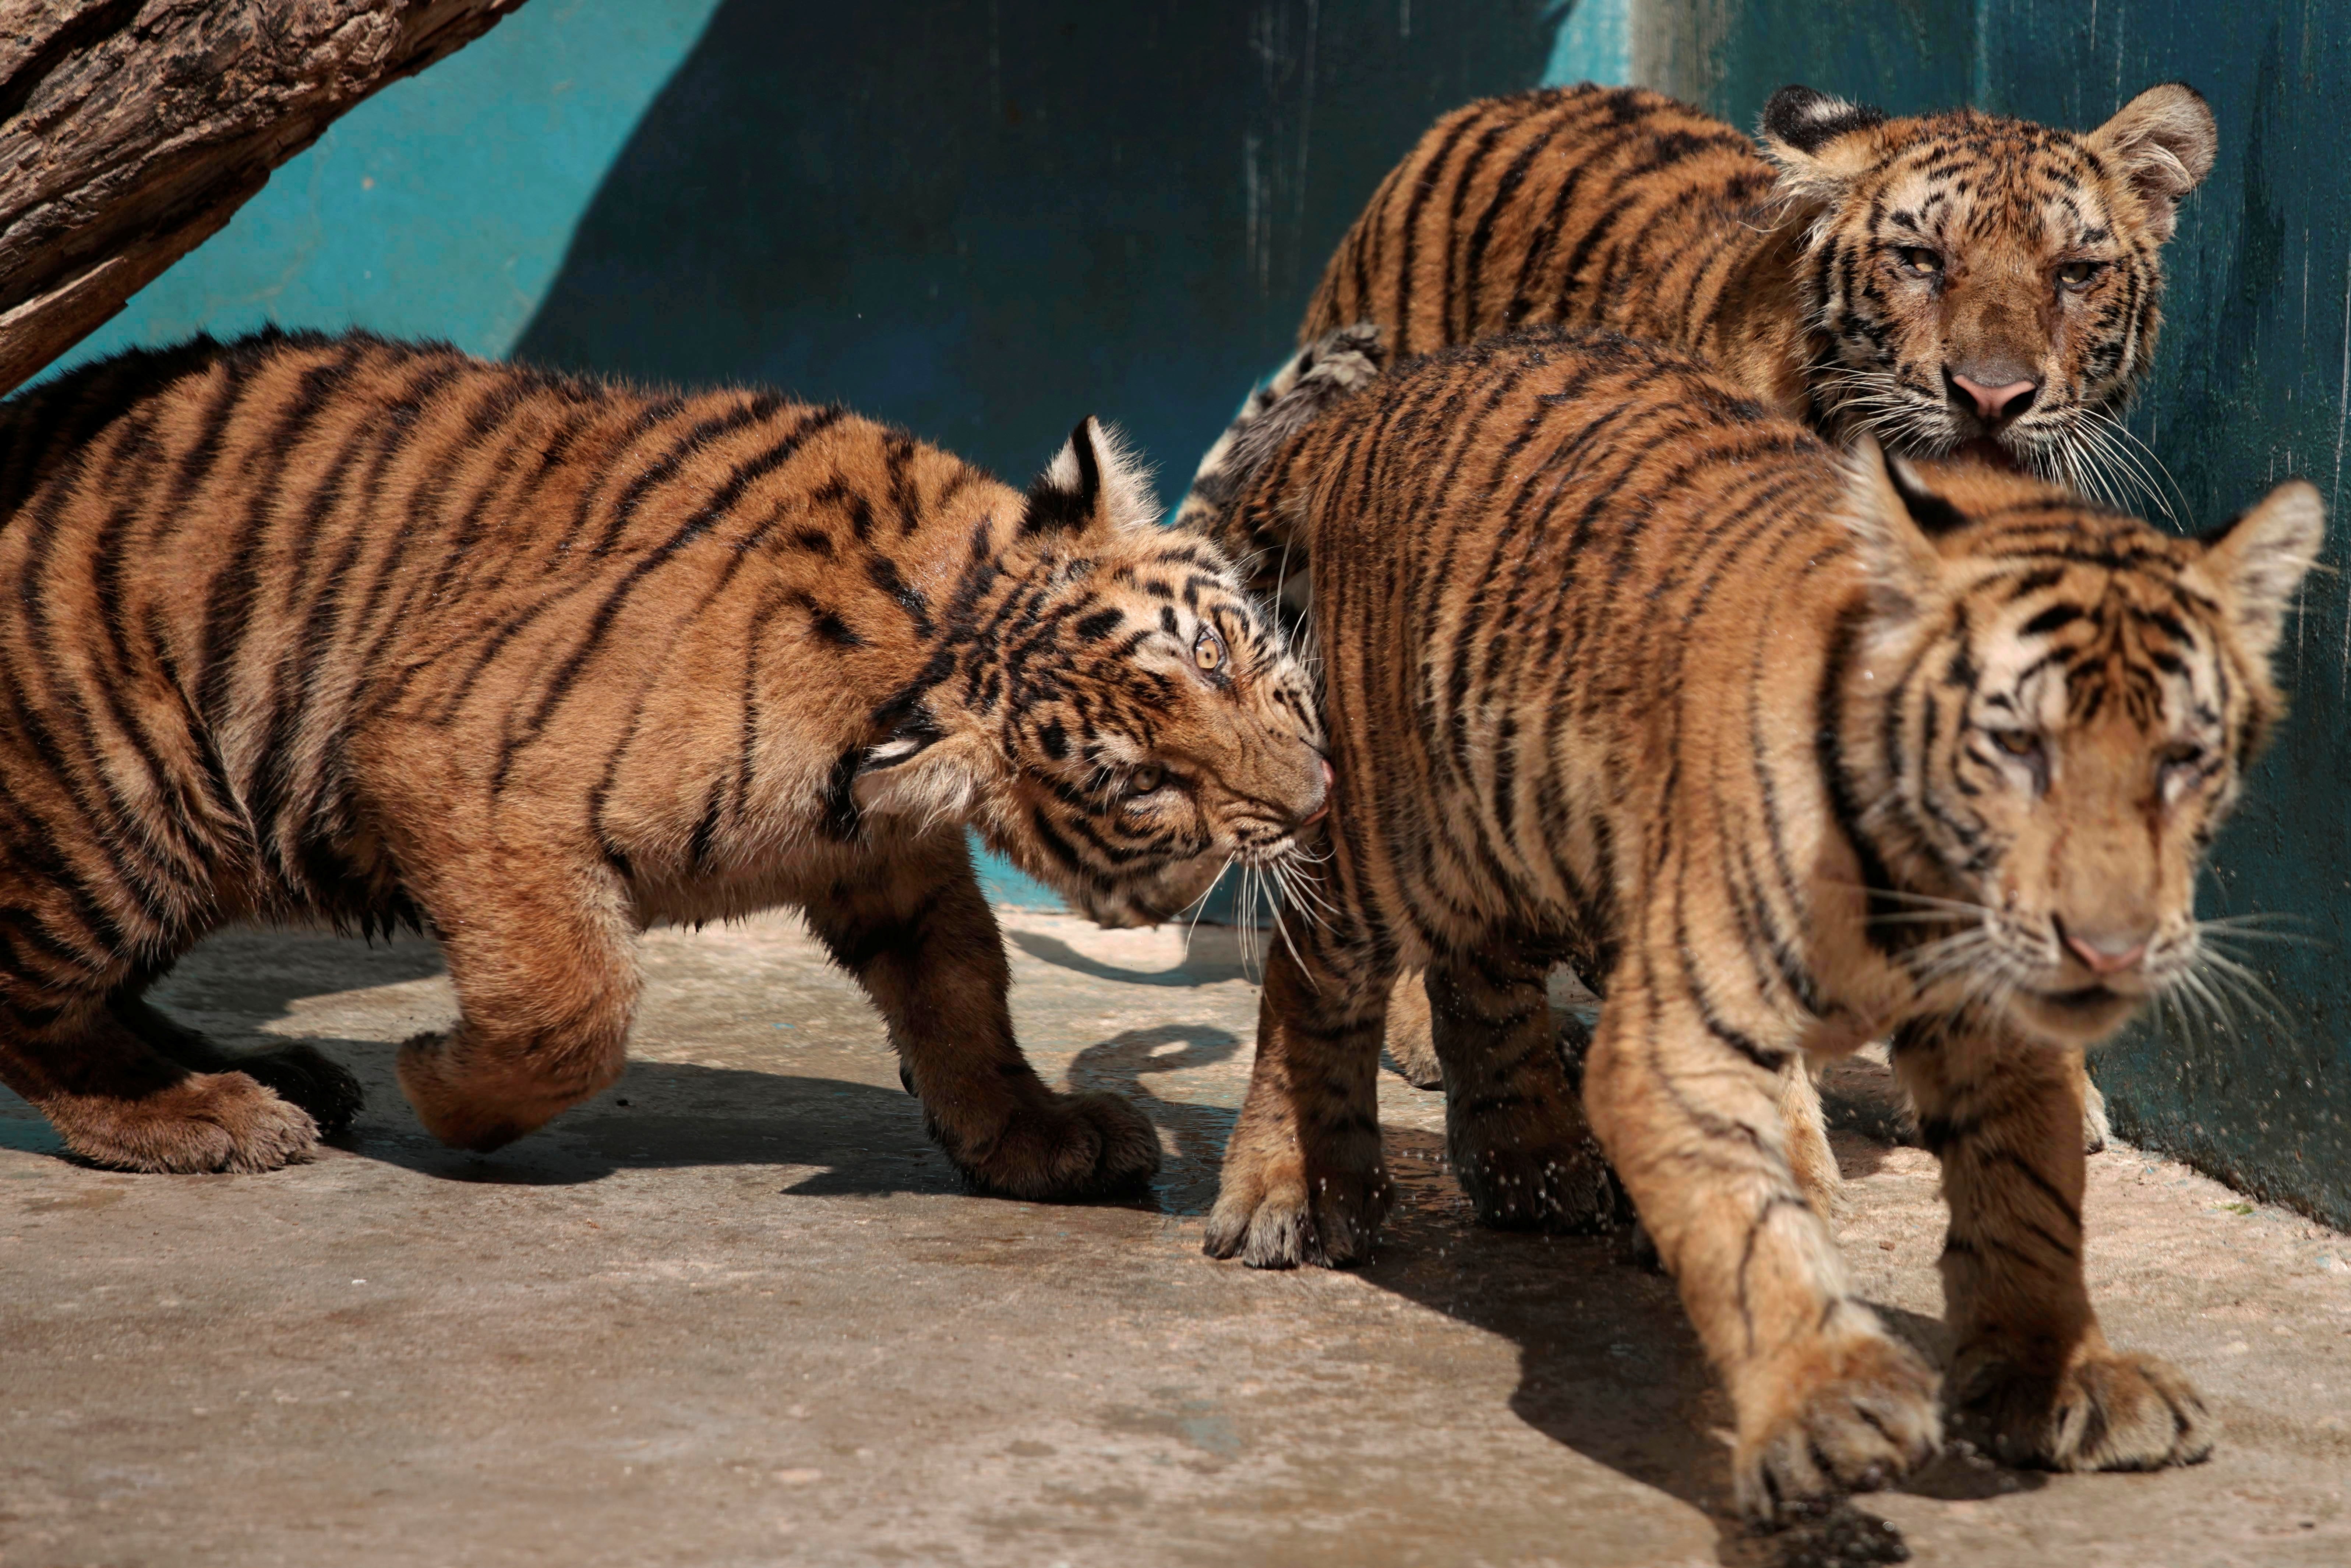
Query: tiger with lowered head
<point x="338" y="629"/>
<point x="1782" y="752"/>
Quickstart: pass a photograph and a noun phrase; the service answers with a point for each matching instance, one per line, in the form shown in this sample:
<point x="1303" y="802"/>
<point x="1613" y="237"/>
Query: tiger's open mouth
<point x="1992" y="453"/>
<point x="2087" y="998"/>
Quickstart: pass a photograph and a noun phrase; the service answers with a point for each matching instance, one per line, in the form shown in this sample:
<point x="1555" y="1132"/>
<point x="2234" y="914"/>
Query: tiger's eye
<point x="1919" y="261"/>
<point x="2079" y="274"/>
<point x="1208" y="650"/>
<point x="1145" y="779"/>
<point x="2017" y="742"/>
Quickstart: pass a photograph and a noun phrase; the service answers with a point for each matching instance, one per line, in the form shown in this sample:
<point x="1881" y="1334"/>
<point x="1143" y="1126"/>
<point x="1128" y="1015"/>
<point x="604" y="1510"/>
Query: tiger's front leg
<point x="2032" y="1379"/>
<point x="917" y="934"/>
<point x="1827" y="1400"/>
<point x="1303" y="1181"/>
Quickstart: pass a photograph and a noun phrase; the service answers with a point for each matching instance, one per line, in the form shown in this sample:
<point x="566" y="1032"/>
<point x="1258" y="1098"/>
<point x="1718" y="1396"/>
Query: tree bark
<point x="131" y="130"/>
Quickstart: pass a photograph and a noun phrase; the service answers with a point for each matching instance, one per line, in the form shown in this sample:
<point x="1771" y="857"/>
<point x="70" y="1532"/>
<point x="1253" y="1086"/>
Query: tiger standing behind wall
<point x="345" y="630"/>
<point x="1781" y="754"/>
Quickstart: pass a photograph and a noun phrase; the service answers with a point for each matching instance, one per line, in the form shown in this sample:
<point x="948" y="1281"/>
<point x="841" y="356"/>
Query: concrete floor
<point x="736" y="1313"/>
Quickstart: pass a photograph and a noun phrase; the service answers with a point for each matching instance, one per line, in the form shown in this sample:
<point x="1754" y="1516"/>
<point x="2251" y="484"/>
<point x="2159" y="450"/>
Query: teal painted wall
<point x="2252" y="384"/>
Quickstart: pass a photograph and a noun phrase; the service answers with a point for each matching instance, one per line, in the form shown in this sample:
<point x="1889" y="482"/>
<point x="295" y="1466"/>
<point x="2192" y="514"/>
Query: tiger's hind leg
<point x="299" y="1073"/>
<point x="117" y="1102"/>
<point x="114" y="1098"/>
<point x="541" y="950"/>
<point x="2097" y="1130"/>
<point x="917" y="934"/>
<point x="1514" y="1123"/>
<point x="2032" y="1379"/>
<point x="1807" y="1121"/>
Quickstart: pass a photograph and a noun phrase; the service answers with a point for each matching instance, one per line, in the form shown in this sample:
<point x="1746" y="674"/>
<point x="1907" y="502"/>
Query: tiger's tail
<point x="1319" y="375"/>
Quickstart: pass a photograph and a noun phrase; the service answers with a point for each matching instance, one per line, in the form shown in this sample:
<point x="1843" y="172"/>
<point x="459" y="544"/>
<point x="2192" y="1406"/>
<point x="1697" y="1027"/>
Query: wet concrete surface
<point x="736" y="1311"/>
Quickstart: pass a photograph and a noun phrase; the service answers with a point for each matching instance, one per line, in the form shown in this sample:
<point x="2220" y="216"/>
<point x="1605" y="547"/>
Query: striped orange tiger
<point x="345" y="630"/>
<point x="1782" y="752"/>
<point x="1930" y="281"/>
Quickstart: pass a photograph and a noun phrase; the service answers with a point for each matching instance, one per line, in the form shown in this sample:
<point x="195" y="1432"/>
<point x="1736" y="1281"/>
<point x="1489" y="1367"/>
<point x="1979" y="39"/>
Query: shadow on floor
<point x="1215" y="957"/>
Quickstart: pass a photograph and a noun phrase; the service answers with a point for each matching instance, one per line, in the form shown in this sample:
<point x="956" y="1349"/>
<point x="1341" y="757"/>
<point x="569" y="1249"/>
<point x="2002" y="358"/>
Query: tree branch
<point x="131" y="130"/>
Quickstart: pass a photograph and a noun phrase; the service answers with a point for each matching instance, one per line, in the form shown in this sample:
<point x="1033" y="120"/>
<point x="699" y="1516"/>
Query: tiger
<point x="1941" y="281"/>
<point x="342" y="630"/>
<point x="1781" y="749"/>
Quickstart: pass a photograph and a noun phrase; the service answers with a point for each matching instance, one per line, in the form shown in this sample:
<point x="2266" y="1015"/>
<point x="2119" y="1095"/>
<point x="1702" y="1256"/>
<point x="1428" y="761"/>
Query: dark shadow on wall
<point x="983" y="219"/>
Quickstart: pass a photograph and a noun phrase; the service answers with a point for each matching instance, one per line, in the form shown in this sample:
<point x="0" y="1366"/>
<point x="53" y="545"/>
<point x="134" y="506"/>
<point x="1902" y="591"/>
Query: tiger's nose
<point x="1321" y="807"/>
<point x="1996" y="401"/>
<point x="2105" y="952"/>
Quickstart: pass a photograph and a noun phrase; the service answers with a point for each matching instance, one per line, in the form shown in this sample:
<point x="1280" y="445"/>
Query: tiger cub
<point x="354" y="630"/>
<point x="1930" y="281"/>
<point x="1782" y="753"/>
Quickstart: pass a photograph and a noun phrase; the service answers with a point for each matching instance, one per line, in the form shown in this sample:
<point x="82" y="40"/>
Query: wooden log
<point x="131" y="130"/>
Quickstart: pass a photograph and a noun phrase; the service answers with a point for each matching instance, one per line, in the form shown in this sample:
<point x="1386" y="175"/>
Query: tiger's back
<point x="1578" y="206"/>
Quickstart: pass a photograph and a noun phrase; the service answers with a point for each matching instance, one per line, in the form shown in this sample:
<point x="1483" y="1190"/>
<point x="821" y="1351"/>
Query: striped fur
<point x="1844" y="273"/>
<point x="350" y="630"/>
<point x="1782" y="753"/>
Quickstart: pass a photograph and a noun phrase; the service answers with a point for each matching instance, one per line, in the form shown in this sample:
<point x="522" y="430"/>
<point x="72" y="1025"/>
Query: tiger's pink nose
<point x="1330" y="783"/>
<point x="2106" y="953"/>
<point x="1992" y="402"/>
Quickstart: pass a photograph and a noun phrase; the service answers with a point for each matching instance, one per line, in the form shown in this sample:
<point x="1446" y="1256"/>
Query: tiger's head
<point x="1971" y="279"/>
<point x="1117" y="716"/>
<point x="2063" y="702"/>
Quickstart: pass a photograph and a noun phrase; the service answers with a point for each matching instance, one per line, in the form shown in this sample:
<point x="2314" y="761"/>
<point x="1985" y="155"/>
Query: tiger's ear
<point x="920" y="773"/>
<point x="1898" y="518"/>
<point x="2165" y="139"/>
<point x="2261" y="558"/>
<point x="1093" y="484"/>
<point x="1818" y="144"/>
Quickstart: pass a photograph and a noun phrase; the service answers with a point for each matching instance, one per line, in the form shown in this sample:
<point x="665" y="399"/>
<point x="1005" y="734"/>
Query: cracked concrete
<point x="734" y="1311"/>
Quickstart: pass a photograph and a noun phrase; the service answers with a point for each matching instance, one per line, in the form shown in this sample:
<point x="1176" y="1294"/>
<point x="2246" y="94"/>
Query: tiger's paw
<point x="1853" y="1412"/>
<point x="309" y="1077"/>
<point x="479" y="1106"/>
<point x="2097" y="1130"/>
<point x="1066" y="1147"/>
<point x="1281" y="1217"/>
<point x="2115" y="1412"/>
<point x="1563" y="1186"/>
<point x="206" y="1122"/>
<point x="1411" y="1039"/>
